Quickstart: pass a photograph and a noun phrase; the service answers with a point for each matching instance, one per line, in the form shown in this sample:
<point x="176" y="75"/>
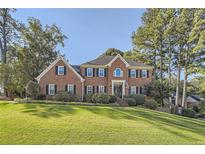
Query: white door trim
<point x="123" y="86"/>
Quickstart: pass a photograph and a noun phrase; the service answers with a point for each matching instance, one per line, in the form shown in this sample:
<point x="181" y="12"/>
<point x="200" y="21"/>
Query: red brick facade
<point x="81" y="81"/>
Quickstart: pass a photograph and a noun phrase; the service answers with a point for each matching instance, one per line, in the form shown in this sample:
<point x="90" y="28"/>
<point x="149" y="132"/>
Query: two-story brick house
<point x="107" y="74"/>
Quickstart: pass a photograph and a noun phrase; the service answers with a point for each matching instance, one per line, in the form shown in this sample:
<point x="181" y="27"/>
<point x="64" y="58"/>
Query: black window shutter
<point x="85" y="71"/>
<point x="93" y="72"/>
<point x="105" y="89"/>
<point x="140" y="90"/>
<point x="105" y="72"/>
<point x="147" y="73"/>
<point x="85" y="90"/>
<point x="129" y="73"/>
<point x="74" y="89"/>
<point x="64" y="70"/>
<point x="140" y="73"/>
<point x="97" y="72"/>
<point x="136" y="73"/>
<point x="55" y="88"/>
<point x="46" y="89"/>
<point x="97" y="89"/>
<point x="56" y="70"/>
<point x="136" y="90"/>
<point x="129" y="90"/>
<point x="66" y="87"/>
<point x="93" y="89"/>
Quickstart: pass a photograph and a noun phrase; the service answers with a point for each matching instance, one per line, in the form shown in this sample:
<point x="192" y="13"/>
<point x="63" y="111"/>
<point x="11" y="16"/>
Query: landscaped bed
<point x="79" y="124"/>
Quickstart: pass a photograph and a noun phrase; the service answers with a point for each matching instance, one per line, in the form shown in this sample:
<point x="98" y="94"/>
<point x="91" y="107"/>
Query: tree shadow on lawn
<point x="47" y="111"/>
<point x="157" y="119"/>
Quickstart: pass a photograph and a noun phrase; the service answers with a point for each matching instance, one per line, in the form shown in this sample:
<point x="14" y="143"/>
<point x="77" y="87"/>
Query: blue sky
<point x="90" y="31"/>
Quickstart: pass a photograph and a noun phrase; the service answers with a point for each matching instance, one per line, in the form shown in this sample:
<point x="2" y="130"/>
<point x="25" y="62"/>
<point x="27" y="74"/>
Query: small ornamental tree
<point x="32" y="89"/>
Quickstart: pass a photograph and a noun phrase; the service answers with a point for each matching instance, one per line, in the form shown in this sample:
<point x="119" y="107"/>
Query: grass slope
<point x="61" y="124"/>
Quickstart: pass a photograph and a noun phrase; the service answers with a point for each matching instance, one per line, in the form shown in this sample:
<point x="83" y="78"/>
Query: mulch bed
<point x="5" y="98"/>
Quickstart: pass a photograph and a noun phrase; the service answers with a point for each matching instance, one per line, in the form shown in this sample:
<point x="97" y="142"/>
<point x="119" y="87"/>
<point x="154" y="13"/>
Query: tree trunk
<point x="184" y="103"/>
<point x="155" y="65"/>
<point x="169" y="67"/>
<point x="178" y="80"/>
<point x="161" y="75"/>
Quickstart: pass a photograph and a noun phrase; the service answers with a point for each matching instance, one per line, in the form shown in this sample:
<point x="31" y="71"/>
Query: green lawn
<point x="64" y="124"/>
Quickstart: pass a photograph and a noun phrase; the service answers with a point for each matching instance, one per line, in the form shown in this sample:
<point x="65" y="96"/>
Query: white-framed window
<point x="51" y="89"/>
<point x="61" y="70"/>
<point x="133" y="90"/>
<point x="144" y="73"/>
<point x="71" y="88"/>
<point x="133" y="73"/>
<point x="89" y="89"/>
<point x="90" y="72"/>
<point x="101" y="89"/>
<point x="101" y="72"/>
<point x="118" y="72"/>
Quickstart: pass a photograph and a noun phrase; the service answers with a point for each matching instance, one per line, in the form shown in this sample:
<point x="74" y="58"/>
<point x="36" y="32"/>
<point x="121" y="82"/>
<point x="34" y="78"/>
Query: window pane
<point x="144" y="73"/>
<point x="133" y="73"/>
<point x="118" y="72"/>
<point x="89" y="89"/>
<point x="101" y="72"/>
<point x="60" y="70"/>
<point x="101" y="89"/>
<point x="71" y="88"/>
<point x="90" y="72"/>
<point x="133" y="90"/>
<point x="51" y="89"/>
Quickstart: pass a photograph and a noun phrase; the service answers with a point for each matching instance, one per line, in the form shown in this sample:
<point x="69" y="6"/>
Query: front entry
<point x="118" y="88"/>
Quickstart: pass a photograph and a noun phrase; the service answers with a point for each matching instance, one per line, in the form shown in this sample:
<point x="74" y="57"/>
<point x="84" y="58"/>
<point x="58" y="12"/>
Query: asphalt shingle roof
<point x="104" y="60"/>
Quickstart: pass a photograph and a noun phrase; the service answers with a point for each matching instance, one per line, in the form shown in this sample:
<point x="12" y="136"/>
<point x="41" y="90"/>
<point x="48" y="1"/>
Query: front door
<point x="118" y="90"/>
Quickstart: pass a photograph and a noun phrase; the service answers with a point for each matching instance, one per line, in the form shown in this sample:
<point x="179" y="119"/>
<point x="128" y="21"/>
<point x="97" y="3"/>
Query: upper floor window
<point x="61" y="70"/>
<point x="118" y="72"/>
<point x="90" y="72"/>
<point x="51" y="89"/>
<point x="71" y="88"/>
<point x="89" y="89"/>
<point x="133" y="73"/>
<point x="144" y="73"/>
<point x="101" y="72"/>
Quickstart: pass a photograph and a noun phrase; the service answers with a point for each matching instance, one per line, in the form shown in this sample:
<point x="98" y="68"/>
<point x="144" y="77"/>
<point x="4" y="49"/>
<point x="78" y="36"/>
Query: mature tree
<point x="112" y="52"/>
<point x="7" y="31"/>
<point x="30" y="56"/>
<point x="153" y="39"/>
<point x="39" y="47"/>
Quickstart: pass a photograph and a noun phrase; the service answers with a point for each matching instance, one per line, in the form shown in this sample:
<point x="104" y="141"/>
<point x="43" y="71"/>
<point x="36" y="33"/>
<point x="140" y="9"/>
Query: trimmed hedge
<point x="139" y="99"/>
<point x="65" y="97"/>
<point x="151" y="104"/>
<point x="100" y="98"/>
<point x="131" y="101"/>
<point x="189" y="113"/>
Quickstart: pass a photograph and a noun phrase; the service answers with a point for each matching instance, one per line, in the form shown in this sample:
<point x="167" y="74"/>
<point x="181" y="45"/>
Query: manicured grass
<point x="70" y="124"/>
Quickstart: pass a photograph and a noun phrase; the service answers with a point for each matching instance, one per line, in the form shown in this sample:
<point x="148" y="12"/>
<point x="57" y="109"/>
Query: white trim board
<point x="123" y="86"/>
<point x="53" y="64"/>
<point x="121" y="58"/>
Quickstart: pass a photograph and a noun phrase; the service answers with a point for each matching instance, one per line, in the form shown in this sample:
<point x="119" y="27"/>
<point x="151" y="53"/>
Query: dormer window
<point x="90" y="72"/>
<point x="118" y="72"/>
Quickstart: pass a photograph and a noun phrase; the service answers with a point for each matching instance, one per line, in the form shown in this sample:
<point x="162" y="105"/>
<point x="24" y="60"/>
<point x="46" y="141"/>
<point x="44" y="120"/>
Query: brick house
<point x="107" y="74"/>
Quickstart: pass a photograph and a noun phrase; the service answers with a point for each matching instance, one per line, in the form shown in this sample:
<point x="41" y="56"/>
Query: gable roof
<point x="108" y="60"/>
<point x="53" y="63"/>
